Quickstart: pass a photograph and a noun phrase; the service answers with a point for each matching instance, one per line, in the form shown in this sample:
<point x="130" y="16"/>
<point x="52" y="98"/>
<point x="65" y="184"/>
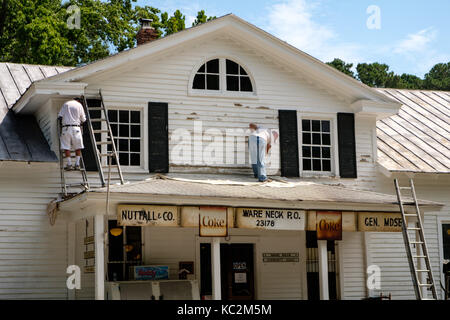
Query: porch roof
<point x="243" y="191"/>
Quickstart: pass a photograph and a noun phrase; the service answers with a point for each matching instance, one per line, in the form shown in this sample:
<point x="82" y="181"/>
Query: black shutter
<point x="158" y="137"/>
<point x="288" y="143"/>
<point x="347" y="145"/>
<point x="88" y="152"/>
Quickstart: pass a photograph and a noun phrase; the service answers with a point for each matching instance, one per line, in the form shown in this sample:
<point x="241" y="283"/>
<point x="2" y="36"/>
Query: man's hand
<point x="269" y="146"/>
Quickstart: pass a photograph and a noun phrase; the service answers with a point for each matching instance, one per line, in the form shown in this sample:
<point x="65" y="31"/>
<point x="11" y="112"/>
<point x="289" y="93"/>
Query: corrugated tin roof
<point x="20" y="136"/>
<point x="417" y="139"/>
<point x="274" y="190"/>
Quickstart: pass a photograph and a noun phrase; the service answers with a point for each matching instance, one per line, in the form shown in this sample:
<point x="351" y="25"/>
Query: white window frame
<point x="222" y="92"/>
<point x="144" y="152"/>
<point x="332" y="117"/>
<point x="440" y="222"/>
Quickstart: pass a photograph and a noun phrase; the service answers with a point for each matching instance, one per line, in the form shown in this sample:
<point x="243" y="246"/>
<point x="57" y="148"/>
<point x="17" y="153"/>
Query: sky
<point x="409" y="36"/>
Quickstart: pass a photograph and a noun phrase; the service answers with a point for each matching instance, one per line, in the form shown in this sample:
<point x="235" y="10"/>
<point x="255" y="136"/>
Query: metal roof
<point x="279" y="189"/>
<point x="417" y="139"/>
<point x="20" y="136"/>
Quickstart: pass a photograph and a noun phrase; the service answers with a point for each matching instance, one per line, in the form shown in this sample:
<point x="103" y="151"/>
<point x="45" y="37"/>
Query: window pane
<point x="246" y="84"/>
<point x="95" y="113"/>
<point x="124" y="130"/>
<point x="316" y="138"/>
<point x="232" y="83"/>
<point x="135" y="117"/>
<point x="306" y="125"/>
<point x="212" y="66"/>
<point x="124" y="159"/>
<point x="212" y="82"/>
<point x="316" y="165"/>
<point x="316" y="125"/>
<point x="114" y="130"/>
<point x="326" y="139"/>
<point x="135" y="131"/>
<point x="325" y="126"/>
<point x="326" y="152"/>
<point x="307" y="164"/>
<point x="135" y="145"/>
<point x="124" y="116"/>
<point x="306" y="152"/>
<point x="112" y="115"/>
<point x="199" y="82"/>
<point x="307" y="138"/>
<point x="202" y="68"/>
<point x="123" y="145"/>
<point x="135" y="159"/>
<point x="326" y="165"/>
<point x="232" y="67"/>
<point x="243" y="71"/>
<point x="316" y="152"/>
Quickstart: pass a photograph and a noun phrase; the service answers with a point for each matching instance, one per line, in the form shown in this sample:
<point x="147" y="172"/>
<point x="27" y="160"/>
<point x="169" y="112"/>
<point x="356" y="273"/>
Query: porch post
<point x="323" y="269"/>
<point x="99" y="230"/>
<point x="215" y="265"/>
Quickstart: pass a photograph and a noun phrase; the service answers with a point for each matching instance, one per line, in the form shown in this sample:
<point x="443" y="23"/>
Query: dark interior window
<point x="446" y="240"/>
<point x="207" y="76"/>
<point x="237" y="78"/>
<point x="316" y="145"/>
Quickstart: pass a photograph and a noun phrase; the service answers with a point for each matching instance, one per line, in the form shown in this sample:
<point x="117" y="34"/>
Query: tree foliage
<point x="378" y="75"/>
<point x="37" y="31"/>
<point x="202" y="18"/>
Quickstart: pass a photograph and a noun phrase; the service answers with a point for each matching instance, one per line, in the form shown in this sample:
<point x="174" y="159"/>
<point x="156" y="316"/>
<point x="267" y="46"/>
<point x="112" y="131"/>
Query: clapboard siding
<point x="87" y="291"/>
<point x="353" y="276"/>
<point x="33" y="257"/>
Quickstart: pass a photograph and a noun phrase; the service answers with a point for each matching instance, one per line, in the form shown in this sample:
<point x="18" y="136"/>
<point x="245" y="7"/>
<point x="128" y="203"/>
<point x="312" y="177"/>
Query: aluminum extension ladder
<point x="107" y="139"/>
<point x="421" y="254"/>
<point x="68" y="187"/>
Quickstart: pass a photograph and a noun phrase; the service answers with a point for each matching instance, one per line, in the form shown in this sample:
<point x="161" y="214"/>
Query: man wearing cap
<point x="259" y="144"/>
<point x="72" y="116"/>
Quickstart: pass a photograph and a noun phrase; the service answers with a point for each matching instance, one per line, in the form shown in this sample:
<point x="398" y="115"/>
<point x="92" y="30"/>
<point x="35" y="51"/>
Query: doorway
<point x="237" y="271"/>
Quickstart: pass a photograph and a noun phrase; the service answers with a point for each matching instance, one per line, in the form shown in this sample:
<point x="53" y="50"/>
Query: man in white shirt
<point x="259" y="144"/>
<point x="72" y="117"/>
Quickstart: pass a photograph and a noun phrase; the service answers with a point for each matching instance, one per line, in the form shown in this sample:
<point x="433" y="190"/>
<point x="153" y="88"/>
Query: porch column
<point x="323" y="269"/>
<point x="215" y="272"/>
<point x="99" y="233"/>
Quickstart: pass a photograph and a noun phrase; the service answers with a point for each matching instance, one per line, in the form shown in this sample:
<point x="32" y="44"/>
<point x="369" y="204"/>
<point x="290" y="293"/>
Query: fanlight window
<point x="222" y="74"/>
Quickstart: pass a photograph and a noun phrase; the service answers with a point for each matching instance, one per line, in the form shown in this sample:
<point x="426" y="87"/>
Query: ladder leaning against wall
<point x="104" y="148"/>
<point x="419" y="262"/>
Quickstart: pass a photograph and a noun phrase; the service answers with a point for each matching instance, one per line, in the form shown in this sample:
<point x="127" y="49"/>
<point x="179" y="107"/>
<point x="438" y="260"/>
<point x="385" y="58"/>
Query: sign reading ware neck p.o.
<point x="145" y="215"/>
<point x="329" y="225"/>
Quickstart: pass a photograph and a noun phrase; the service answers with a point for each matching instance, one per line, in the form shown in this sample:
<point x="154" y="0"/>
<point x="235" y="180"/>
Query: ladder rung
<point x="405" y="188"/>
<point x="413" y="229"/>
<point x="103" y="142"/>
<point x="112" y="166"/>
<point x="417" y="242"/>
<point x="76" y="185"/>
<point x="106" y="154"/>
<point x="98" y="120"/>
<point x="410" y="215"/>
<point x="95" y="108"/>
<point x="420" y="257"/>
<point x="423" y="270"/>
<point x="100" y="131"/>
<point x="425" y="284"/>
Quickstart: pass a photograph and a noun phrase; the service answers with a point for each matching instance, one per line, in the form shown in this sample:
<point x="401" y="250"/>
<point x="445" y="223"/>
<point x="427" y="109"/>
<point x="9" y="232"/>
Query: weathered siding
<point x="352" y="266"/>
<point x="33" y="254"/>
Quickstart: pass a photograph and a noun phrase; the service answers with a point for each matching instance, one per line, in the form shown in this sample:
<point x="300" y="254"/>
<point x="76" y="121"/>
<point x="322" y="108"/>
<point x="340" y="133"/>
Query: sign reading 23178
<point x="275" y="219"/>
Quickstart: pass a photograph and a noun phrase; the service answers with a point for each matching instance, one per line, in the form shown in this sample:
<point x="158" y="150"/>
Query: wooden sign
<point x="329" y="225"/>
<point x="213" y="222"/>
<point x="379" y="222"/>
<point x="147" y="215"/>
<point x="281" y="257"/>
<point x="89" y="240"/>
<point x="89" y="255"/>
<point x="274" y="219"/>
<point x="189" y="217"/>
<point x="89" y="269"/>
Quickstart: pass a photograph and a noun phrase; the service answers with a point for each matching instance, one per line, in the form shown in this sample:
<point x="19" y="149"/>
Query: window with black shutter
<point x="158" y="137"/>
<point x="288" y="143"/>
<point x="347" y="145"/>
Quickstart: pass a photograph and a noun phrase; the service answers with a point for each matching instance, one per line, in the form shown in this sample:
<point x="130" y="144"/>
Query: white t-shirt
<point x="72" y="113"/>
<point x="263" y="133"/>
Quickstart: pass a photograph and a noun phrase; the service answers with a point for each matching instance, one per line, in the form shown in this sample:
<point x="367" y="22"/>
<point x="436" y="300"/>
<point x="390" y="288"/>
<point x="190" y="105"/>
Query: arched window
<point x="222" y="75"/>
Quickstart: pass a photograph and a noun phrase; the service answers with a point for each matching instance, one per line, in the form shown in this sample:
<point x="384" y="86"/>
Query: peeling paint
<point x="238" y="105"/>
<point x="263" y="108"/>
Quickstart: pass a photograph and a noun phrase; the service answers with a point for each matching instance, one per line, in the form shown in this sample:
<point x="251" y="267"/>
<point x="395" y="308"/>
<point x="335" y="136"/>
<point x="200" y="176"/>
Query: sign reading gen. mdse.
<point x="274" y="219"/>
<point x="379" y="222"/>
<point x="145" y="215"/>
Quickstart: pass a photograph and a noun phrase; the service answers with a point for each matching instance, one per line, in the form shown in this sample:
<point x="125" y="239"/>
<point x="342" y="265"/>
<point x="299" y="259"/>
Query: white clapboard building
<point x="190" y="220"/>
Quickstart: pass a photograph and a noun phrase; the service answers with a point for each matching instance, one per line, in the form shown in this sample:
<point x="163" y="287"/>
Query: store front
<point x="228" y="249"/>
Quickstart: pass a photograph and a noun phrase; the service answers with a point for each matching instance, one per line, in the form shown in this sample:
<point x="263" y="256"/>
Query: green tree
<point x="202" y="18"/>
<point x="373" y="74"/>
<point x="438" y="78"/>
<point x="342" y="66"/>
<point x="175" y="23"/>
